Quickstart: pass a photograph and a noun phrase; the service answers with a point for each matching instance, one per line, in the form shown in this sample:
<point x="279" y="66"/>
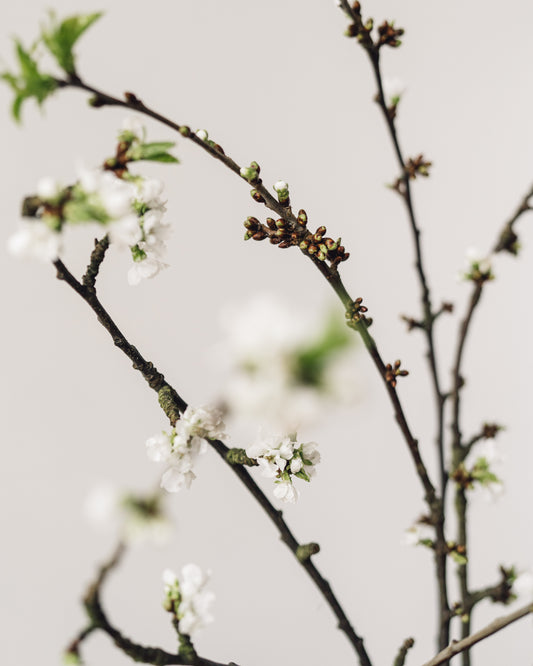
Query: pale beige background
<point x="278" y="83"/>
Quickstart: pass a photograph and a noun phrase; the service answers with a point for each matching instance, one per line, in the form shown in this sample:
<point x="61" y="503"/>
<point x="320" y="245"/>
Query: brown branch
<point x="427" y="324"/>
<point x="497" y="625"/>
<point x="402" y="653"/>
<point x="173" y="404"/>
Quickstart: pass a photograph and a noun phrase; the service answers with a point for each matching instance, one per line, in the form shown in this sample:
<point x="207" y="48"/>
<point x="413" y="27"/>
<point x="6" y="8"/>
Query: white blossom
<point x="126" y="231"/>
<point x="477" y="266"/>
<point x="202" y="134"/>
<point x="523" y="585"/>
<point x="159" y="447"/>
<point x="144" y="269"/>
<point x="188" y="599"/>
<point x="180" y="449"/>
<point x="393" y="89"/>
<point x="281" y="186"/>
<point x="134" y="125"/>
<point x="149" y="191"/>
<point x="37" y="241"/>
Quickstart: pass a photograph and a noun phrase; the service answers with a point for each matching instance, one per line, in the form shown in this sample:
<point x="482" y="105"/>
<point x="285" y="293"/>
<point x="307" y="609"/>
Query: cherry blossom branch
<point x="173" y="404"/>
<point x="132" y="102"/>
<point x="507" y="240"/>
<point x="372" y="49"/>
<point x="498" y="624"/>
<point x="99" y="620"/>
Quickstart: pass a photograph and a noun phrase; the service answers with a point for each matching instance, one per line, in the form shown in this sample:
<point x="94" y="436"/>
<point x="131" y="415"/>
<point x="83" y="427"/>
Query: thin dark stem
<point x="157" y="383"/>
<point x="402" y="653"/>
<point x="429" y="318"/>
<point x="506" y="241"/>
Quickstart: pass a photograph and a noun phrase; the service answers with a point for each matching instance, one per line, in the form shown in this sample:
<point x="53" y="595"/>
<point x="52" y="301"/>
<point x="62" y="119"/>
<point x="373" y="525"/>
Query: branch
<point x="459" y="646"/>
<point x="372" y="48"/>
<point x="330" y="273"/>
<point x="172" y="404"/>
<point x="402" y="653"/>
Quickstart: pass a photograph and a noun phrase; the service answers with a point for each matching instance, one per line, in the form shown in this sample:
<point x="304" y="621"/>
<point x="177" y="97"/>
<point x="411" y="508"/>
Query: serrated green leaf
<point x="60" y="38"/>
<point x="30" y="82"/>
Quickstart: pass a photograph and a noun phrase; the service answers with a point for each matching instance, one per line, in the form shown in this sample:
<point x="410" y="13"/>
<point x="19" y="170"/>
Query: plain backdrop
<point x="278" y="83"/>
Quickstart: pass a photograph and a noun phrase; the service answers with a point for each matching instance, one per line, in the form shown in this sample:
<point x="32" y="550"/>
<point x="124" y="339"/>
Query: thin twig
<point x="495" y="626"/>
<point x="402" y="653"/>
<point x="429" y="317"/>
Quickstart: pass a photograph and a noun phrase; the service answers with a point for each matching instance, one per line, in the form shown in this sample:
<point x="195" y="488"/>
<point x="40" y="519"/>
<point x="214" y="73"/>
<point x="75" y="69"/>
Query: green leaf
<point x="30" y="82"/>
<point x="155" y="152"/>
<point x="60" y="38"/>
<point x="310" y="363"/>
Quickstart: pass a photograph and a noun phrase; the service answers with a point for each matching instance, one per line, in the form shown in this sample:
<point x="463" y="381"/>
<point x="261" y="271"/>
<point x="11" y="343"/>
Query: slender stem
<point x="156" y="382"/>
<point x="429" y="318"/>
<point x="497" y="625"/>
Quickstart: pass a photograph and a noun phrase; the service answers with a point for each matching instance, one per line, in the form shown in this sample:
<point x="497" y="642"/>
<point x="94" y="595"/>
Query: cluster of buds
<point x="417" y="166"/>
<point x="508" y="241"/>
<point x="388" y="35"/>
<point x="356" y="314"/>
<point x="284" y="234"/>
<point x="479" y="473"/>
<point x="392" y="372"/>
<point x="490" y="430"/>
<point x="321" y="246"/>
<point x="359" y="29"/>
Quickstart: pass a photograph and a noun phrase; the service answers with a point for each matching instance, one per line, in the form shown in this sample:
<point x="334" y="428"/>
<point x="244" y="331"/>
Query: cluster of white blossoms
<point x="129" y="206"/>
<point x="282" y="459"/>
<point x="136" y="517"/>
<point x="180" y="448"/>
<point x="187" y="599"/>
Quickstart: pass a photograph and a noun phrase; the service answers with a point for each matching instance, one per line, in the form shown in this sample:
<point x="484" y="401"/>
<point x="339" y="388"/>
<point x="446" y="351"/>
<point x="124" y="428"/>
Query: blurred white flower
<point x="138" y="518"/>
<point x="187" y="598"/>
<point x="478" y="268"/>
<point x="523" y="585"/>
<point x="48" y="188"/>
<point x="393" y="89"/>
<point x="202" y="134"/>
<point x="144" y="269"/>
<point x="285" y="368"/>
<point x="35" y="240"/>
<point x="134" y="125"/>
